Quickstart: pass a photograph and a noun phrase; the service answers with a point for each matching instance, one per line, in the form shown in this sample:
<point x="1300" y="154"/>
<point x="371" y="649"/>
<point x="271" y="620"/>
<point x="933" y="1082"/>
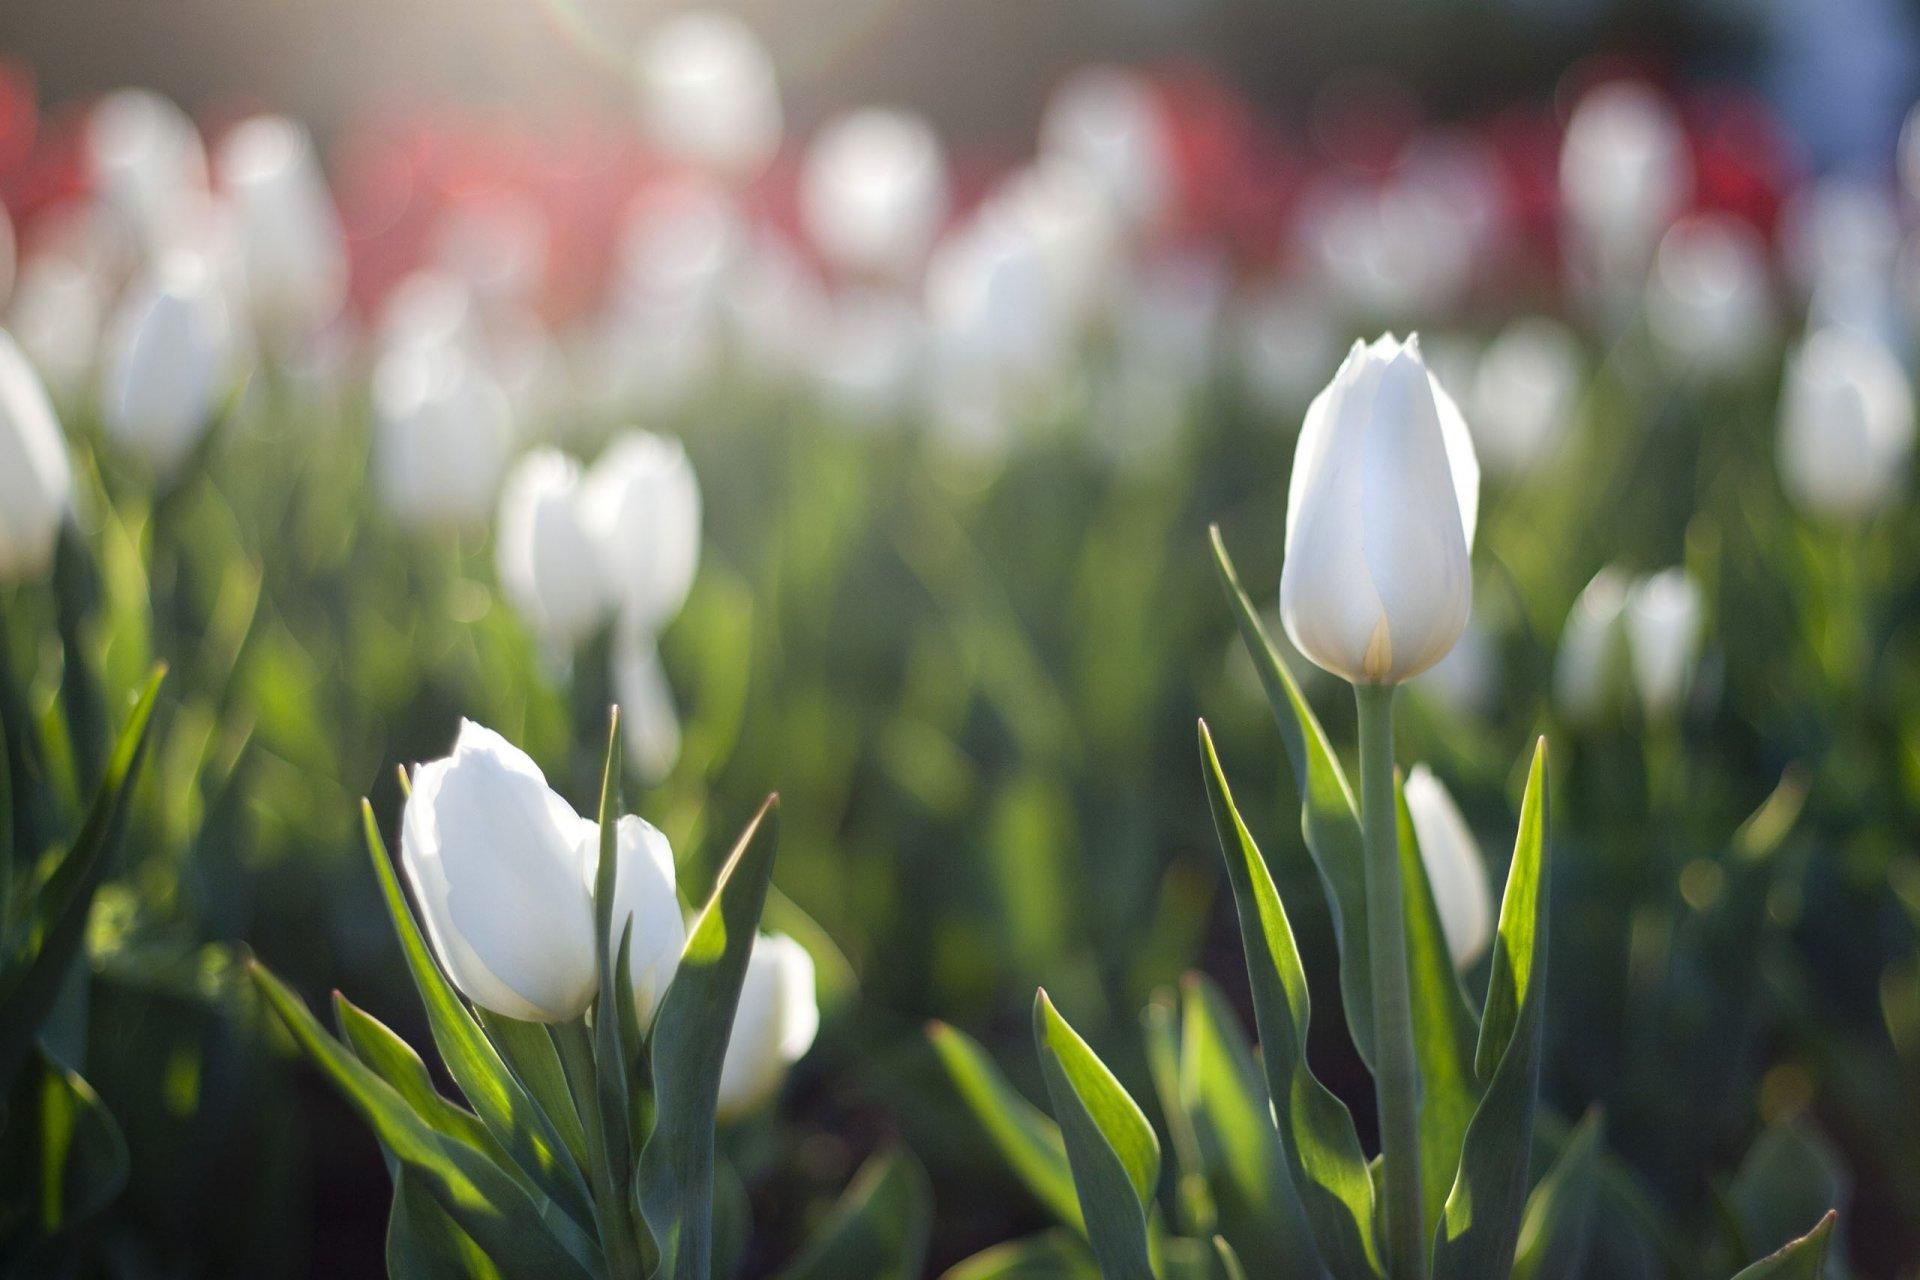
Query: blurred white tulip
<point x="1839" y="226"/>
<point x="1710" y="300"/>
<point x="707" y="93"/>
<point x="873" y="192"/>
<point x="1590" y="667"/>
<point x="1525" y="389"/>
<point x="1466" y="680"/>
<point x="36" y="478"/>
<point x="1624" y="173"/>
<point x="644" y="891"/>
<point x="1664" y="619"/>
<point x="497" y="243"/>
<point x="170" y="362"/>
<point x="497" y="861"/>
<point x="442" y="432"/>
<point x="548" y="562"/>
<point x="773" y="1027"/>
<point x="649" y="718"/>
<point x="1846" y="424"/>
<point x="1377" y="585"/>
<point x="1285" y="337"/>
<point x="1455" y="867"/>
<point x="1111" y="123"/>
<point x="58" y="313"/>
<point x="774" y="310"/>
<point x="868" y="355"/>
<point x="642" y="504"/>
<point x="291" y="249"/>
<point x="148" y="167"/>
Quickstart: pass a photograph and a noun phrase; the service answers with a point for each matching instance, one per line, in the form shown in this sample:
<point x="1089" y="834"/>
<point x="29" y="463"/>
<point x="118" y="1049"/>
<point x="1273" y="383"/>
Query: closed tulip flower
<point x="874" y="191"/>
<point x="1111" y="123"/>
<point x="148" y="165"/>
<point x="1525" y="388"/>
<point x="1624" y="169"/>
<point x="1846" y="425"/>
<point x="291" y="248"/>
<point x="773" y="1027"/>
<point x="497" y="863"/>
<point x="1590" y="668"/>
<point x="644" y="892"/>
<point x="546" y="557"/>
<point x="442" y="430"/>
<point x="649" y="720"/>
<point x="169" y="362"/>
<point x="1710" y="300"/>
<point x="1663" y="618"/>
<point x="643" y="505"/>
<point x="1377" y="586"/>
<point x="1455" y="867"/>
<point x="708" y="94"/>
<point x="36" y="480"/>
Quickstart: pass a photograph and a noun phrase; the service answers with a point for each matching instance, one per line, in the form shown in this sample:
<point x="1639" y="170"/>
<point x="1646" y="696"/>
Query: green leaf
<point x="1222" y="1089"/>
<point x="1560" y="1212"/>
<point x="675" y="1179"/>
<point x="879" y="1229"/>
<point x="612" y="1173"/>
<point x="1027" y="1138"/>
<point x="1790" y="1176"/>
<point x="1443" y="1026"/>
<point x="425" y="1243"/>
<point x="1193" y="1197"/>
<point x="523" y="1236"/>
<point x="64" y="1160"/>
<point x="1324" y="1159"/>
<point x="394" y="1061"/>
<point x="1058" y="1254"/>
<point x="522" y="1127"/>
<point x="1230" y="1268"/>
<point x="527" y="1049"/>
<point x="56" y="914"/>
<point x="1110" y="1146"/>
<point x="1802" y="1259"/>
<point x="1329" y="819"/>
<point x="1481" y="1223"/>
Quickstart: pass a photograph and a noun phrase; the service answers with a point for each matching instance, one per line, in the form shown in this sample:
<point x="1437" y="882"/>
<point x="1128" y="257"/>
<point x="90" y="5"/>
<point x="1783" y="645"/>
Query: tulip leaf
<point x="1443" y="1026"/>
<point x="1481" y="1224"/>
<point x="523" y="1235"/>
<point x="690" y="1031"/>
<point x="1230" y="1268"/>
<point x="1028" y="1140"/>
<point x="1057" y="1254"/>
<point x="1802" y="1259"/>
<point x="528" y="1050"/>
<point x="1324" y="1159"/>
<point x="425" y="1243"/>
<point x="1222" y="1089"/>
<point x="54" y="925"/>
<point x="879" y="1229"/>
<point x="394" y="1061"/>
<point x="1110" y="1146"/>
<point x="522" y="1127"/>
<point x="1193" y="1197"/>
<point x="612" y="1172"/>
<point x="63" y="1162"/>
<point x="1558" y="1223"/>
<point x="1329" y="819"/>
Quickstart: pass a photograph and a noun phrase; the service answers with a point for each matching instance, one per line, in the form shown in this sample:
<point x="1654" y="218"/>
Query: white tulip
<point x="774" y="309"/>
<point x="1525" y="389"/>
<point x="496" y="861"/>
<point x="873" y="191"/>
<point x="1376" y="586"/>
<point x="149" y="166"/>
<point x="642" y="503"/>
<point x="497" y="243"/>
<point x="1466" y="680"/>
<point x="708" y="95"/>
<point x="773" y="1027"/>
<point x="291" y="248"/>
<point x="1840" y="226"/>
<point x="36" y="479"/>
<point x="1284" y="338"/>
<point x="57" y="314"/>
<point x="443" y="428"/>
<point x="868" y="355"/>
<point x="170" y="361"/>
<point x="1455" y="868"/>
<point x="1589" y="667"/>
<point x="1664" y="616"/>
<point x="1110" y="122"/>
<point x="649" y="720"/>
<point x="1710" y="300"/>
<point x="1846" y="424"/>
<point x="644" y="892"/>
<point x="1624" y="171"/>
<point x="545" y="553"/>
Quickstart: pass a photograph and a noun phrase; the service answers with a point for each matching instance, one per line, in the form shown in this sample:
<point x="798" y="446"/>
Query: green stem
<point x="1395" y="1073"/>
<point x="619" y="1233"/>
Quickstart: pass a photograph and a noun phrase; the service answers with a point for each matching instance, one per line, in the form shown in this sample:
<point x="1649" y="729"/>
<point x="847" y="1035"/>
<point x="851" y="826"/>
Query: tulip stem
<point x="1395" y="1071"/>
<point x="618" y="1231"/>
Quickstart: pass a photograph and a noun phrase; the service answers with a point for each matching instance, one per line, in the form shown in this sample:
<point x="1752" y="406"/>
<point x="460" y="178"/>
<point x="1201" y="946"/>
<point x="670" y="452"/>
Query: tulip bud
<point x="649" y="721"/>
<point x="874" y="191"/>
<point x="1590" y="666"/>
<point x="1846" y="425"/>
<point x="1663" y="622"/>
<point x="57" y="313"/>
<point x="291" y="248"/>
<point x="773" y="1026"/>
<point x="1710" y="301"/>
<point x="496" y="860"/>
<point x="1455" y="867"/>
<point x="1377" y="585"/>
<point x="1525" y="389"/>
<point x="169" y="363"/>
<point x="642" y="503"/>
<point x="1624" y="171"/>
<point x="36" y="480"/>
<point x="868" y="355"/>
<point x="148" y="166"/>
<point x="644" y="892"/>
<point x="442" y="431"/>
<point x="546" y="557"/>
<point x="708" y="94"/>
<point x="1111" y="123"/>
